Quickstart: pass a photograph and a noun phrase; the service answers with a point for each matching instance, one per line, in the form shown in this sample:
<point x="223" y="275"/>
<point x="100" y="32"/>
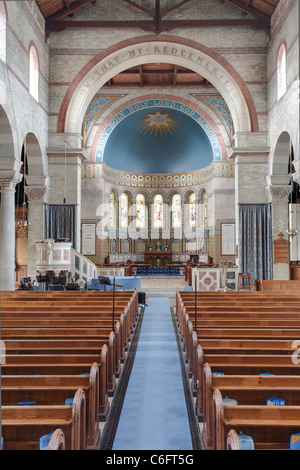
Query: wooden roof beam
<point x="166" y="25"/>
<point x="175" y="7"/>
<point x="175" y="74"/>
<point x="245" y="7"/>
<point x="68" y="10"/>
<point x="141" y="75"/>
<point x="139" y="8"/>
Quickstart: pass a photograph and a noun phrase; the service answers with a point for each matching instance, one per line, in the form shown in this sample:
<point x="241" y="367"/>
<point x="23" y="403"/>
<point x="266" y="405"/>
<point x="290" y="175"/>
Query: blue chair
<point x="246" y="441"/>
<point x="44" y="441"/>
<point x="295" y="441"/>
<point x="27" y="402"/>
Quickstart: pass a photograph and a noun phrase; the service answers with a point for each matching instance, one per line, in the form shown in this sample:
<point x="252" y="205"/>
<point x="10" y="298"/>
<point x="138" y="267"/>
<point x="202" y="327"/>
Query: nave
<point x="181" y="376"/>
<point x="157" y="411"/>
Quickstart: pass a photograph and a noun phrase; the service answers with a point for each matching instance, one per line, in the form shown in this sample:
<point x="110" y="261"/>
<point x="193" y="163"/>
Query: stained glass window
<point x="112" y="209"/>
<point x="204" y="208"/>
<point x="176" y="210"/>
<point x="33" y="73"/>
<point x="281" y="71"/>
<point x="192" y="209"/>
<point x="140" y="211"/>
<point x="158" y="211"/>
<point x="124" y="210"/>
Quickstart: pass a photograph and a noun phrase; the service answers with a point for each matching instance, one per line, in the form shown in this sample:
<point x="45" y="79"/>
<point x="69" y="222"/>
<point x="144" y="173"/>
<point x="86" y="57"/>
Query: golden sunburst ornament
<point x="159" y="124"/>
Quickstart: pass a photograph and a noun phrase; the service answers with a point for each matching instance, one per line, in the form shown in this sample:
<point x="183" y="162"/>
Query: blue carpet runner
<point x="154" y="414"/>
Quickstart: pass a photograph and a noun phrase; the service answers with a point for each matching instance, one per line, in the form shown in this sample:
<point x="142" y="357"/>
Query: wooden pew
<point x="247" y="390"/>
<point x="232" y="441"/>
<point x="269" y="426"/>
<point x="54" y="390"/>
<point x="22" y="426"/>
<point x="41" y="333"/>
<point x="239" y="364"/>
<point x="53" y="365"/>
<point x="94" y="305"/>
<point x="194" y="353"/>
<point x="277" y="285"/>
<point x="57" y="441"/>
<point x="109" y="339"/>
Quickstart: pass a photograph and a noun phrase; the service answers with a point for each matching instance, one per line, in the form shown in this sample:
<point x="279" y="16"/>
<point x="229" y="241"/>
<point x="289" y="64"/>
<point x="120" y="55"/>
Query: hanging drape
<point x="255" y="240"/>
<point x="60" y="222"/>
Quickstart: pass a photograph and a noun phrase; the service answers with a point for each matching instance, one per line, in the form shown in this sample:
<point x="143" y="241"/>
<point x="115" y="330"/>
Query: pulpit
<point x="53" y="256"/>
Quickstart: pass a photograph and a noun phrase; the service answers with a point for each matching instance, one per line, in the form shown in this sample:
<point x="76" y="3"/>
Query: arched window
<point x="33" y="73"/>
<point x="124" y="211"/>
<point x="203" y="202"/>
<point x="192" y="209"/>
<point x="176" y="210"/>
<point x="112" y="209"/>
<point x="158" y="211"/>
<point x="140" y="211"/>
<point x="2" y="32"/>
<point x="281" y="71"/>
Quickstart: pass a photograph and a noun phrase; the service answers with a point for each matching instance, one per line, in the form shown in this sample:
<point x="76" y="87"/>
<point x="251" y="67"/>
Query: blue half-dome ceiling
<point x="158" y="140"/>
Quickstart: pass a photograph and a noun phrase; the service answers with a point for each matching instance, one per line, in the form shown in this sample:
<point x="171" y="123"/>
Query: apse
<point x="158" y="140"/>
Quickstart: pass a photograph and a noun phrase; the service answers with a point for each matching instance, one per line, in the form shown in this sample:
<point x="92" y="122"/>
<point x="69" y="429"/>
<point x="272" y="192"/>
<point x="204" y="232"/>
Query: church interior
<point x="149" y="225"/>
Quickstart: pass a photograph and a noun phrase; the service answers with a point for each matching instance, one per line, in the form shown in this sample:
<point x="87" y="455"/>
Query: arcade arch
<point x="149" y="50"/>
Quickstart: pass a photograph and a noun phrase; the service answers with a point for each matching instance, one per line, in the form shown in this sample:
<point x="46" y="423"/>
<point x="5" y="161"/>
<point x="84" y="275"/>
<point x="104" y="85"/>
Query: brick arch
<point x="7" y="137"/>
<point x="280" y="160"/>
<point x="92" y="71"/>
<point x="3" y="13"/>
<point x="183" y="101"/>
<point x="32" y="50"/>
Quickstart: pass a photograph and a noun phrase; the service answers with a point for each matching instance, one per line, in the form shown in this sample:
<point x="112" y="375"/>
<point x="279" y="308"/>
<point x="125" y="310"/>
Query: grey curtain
<point x="255" y="240"/>
<point x="60" y="222"/>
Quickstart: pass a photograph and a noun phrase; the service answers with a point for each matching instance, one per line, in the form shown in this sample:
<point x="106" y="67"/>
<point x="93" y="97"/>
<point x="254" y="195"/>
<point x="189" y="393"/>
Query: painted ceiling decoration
<point x="158" y="123"/>
<point x="218" y="105"/>
<point x="194" y="141"/>
<point x="153" y="136"/>
<point x="96" y="107"/>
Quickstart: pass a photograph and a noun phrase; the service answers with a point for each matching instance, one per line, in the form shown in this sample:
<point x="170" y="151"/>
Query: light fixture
<point x="23" y="222"/>
<point x="291" y="231"/>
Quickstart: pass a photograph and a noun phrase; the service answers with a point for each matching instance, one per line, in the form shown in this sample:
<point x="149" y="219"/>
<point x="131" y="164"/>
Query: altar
<point x="158" y="258"/>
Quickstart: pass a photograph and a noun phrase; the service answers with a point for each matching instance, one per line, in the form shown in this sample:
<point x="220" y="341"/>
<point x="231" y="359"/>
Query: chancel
<point x="149" y="224"/>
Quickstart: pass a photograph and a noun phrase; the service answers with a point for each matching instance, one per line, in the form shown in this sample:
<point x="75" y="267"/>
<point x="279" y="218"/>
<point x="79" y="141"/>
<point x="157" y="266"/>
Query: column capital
<point x="38" y="188"/>
<point x="278" y="193"/>
<point x="8" y="182"/>
<point x="296" y="176"/>
<point x="278" y="188"/>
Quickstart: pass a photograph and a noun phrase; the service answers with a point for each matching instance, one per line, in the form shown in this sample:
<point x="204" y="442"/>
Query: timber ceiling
<point x="256" y="14"/>
<point x="54" y="12"/>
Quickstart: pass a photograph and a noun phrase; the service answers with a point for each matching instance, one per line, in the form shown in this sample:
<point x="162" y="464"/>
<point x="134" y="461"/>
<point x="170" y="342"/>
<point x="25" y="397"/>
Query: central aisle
<point x="154" y="414"/>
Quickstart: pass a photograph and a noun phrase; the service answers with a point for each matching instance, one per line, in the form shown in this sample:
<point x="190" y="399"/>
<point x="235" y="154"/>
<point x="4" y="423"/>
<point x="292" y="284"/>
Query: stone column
<point x="250" y="156"/>
<point x="7" y="230"/>
<point x="64" y="169"/>
<point x="38" y="193"/>
<point x="278" y="191"/>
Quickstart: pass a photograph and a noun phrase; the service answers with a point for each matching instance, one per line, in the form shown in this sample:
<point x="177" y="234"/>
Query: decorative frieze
<point x="214" y="170"/>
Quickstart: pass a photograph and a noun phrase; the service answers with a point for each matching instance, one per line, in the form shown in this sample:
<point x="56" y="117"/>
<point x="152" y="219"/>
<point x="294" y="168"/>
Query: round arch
<point x="34" y="155"/>
<point x="280" y="163"/>
<point x="7" y="141"/>
<point x="150" y="49"/>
